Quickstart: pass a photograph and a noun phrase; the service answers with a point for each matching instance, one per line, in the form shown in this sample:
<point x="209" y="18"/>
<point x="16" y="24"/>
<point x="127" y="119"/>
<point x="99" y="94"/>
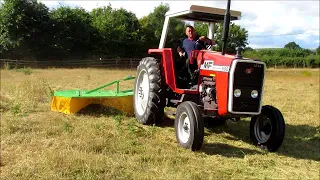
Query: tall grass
<point x="39" y="144"/>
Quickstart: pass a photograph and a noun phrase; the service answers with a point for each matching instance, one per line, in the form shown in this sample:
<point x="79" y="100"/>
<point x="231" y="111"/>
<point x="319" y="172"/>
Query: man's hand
<point x="179" y="49"/>
<point x="207" y="40"/>
<point x="202" y="38"/>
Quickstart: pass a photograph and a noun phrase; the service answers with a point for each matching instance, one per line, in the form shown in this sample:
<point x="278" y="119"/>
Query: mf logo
<point x="208" y="64"/>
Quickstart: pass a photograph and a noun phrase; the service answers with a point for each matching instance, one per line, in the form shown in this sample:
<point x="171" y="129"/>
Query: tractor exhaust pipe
<point x="226" y="27"/>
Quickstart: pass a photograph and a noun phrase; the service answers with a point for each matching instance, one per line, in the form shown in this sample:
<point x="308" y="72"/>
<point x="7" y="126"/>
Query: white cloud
<point x="259" y="46"/>
<point x="304" y="37"/>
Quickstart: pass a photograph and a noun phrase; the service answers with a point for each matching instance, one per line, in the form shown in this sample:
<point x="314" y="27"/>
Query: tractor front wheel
<point x="148" y="93"/>
<point x="189" y="126"/>
<point x="267" y="130"/>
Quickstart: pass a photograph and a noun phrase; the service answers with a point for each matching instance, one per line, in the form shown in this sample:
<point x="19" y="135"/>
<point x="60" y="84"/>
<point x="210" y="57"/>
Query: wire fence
<point x="123" y="63"/>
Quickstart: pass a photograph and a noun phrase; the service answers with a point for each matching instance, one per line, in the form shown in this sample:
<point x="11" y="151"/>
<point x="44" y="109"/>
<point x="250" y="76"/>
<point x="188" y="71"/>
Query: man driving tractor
<point x="192" y="42"/>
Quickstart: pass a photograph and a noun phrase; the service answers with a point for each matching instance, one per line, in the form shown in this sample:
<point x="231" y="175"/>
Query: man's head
<point x="190" y="32"/>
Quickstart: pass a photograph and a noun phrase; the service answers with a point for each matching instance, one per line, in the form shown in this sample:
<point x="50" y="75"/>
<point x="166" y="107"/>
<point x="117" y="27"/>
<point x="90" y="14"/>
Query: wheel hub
<point x="263" y="129"/>
<point x="142" y="92"/>
<point x="184" y="128"/>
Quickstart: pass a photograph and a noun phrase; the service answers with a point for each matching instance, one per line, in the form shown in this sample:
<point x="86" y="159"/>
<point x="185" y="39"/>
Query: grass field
<point x="37" y="143"/>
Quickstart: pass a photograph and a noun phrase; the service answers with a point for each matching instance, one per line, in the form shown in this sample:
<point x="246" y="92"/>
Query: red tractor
<point x="228" y="87"/>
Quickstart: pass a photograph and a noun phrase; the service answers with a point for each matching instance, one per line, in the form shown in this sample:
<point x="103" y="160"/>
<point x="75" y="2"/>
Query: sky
<point x="270" y="24"/>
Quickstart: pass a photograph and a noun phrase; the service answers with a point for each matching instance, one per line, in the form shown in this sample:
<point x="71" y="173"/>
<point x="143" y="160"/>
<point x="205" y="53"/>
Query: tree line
<point x="30" y="30"/>
<point x="292" y="55"/>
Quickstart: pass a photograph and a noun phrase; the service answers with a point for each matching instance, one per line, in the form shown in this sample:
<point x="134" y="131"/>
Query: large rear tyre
<point x="189" y="126"/>
<point x="148" y="93"/>
<point x="267" y="130"/>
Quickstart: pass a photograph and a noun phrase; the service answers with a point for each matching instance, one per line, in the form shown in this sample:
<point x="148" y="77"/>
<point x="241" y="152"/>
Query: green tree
<point x="248" y="48"/>
<point x="74" y="35"/>
<point x="152" y="26"/>
<point x="202" y="28"/>
<point x="318" y="51"/>
<point x="24" y="28"/>
<point x="292" y="45"/>
<point x="238" y="36"/>
<point x="119" y="30"/>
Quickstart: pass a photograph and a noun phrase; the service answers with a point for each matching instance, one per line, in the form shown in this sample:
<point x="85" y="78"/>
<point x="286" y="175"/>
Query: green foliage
<point x="285" y="57"/>
<point x="292" y="45"/>
<point x="237" y="36"/>
<point x="16" y="109"/>
<point x="202" y="28"/>
<point x="23" y="27"/>
<point x="26" y="71"/>
<point x="151" y="27"/>
<point x="67" y="127"/>
<point x="30" y="31"/>
<point x="72" y="31"/>
<point x="318" y="50"/>
<point x="119" y="31"/>
<point x="306" y="73"/>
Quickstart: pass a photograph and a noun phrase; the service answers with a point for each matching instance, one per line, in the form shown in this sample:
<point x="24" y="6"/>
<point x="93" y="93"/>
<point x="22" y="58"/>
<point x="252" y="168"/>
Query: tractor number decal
<point x="208" y="65"/>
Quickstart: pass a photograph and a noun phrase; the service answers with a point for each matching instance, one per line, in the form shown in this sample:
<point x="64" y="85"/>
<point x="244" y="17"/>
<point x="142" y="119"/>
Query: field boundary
<point x="121" y="63"/>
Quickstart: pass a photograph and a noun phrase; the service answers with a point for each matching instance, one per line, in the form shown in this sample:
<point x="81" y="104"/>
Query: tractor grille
<point x="247" y="76"/>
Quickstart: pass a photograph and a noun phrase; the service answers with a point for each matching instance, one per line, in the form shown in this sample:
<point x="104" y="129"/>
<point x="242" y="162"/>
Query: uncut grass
<point x="39" y="144"/>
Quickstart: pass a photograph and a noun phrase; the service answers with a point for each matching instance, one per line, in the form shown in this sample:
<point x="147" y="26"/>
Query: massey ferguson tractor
<point x="227" y="87"/>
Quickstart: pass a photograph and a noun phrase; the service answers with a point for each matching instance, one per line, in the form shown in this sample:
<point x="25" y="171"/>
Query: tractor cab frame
<point x="201" y="14"/>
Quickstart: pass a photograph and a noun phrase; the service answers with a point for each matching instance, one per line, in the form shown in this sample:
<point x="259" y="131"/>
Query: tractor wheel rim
<point x="184" y="128"/>
<point x="263" y="129"/>
<point x="142" y="92"/>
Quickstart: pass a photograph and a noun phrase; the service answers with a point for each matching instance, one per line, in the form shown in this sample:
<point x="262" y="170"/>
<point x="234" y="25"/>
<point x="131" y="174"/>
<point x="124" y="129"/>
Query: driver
<point x="192" y="42"/>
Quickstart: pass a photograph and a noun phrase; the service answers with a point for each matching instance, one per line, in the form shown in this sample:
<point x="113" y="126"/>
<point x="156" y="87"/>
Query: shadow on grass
<point x="98" y="110"/>
<point x="167" y="121"/>
<point x="301" y="141"/>
<point x="227" y="150"/>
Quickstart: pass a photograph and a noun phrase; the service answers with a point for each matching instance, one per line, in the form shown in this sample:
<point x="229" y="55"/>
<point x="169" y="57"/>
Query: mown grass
<point x="37" y="143"/>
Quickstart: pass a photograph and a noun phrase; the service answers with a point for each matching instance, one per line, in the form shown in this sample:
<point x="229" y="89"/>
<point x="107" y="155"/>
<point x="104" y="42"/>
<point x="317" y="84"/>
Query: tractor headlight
<point x="254" y="94"/>
<point x="237" y="93"/>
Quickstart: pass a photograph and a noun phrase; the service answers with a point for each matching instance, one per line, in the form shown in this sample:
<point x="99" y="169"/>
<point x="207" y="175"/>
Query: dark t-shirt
<point x="189" y="45"/>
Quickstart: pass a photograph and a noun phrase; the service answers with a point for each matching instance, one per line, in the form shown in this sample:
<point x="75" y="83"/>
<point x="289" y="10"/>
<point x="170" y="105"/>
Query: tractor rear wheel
<point x="267" y="130"/>
<point x="148" y="93"/>
<point x="189" y="126"/>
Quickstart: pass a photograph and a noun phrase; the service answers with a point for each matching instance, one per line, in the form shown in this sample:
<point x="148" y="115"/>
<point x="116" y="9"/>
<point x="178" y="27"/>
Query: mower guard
<point x="72" y="101"/>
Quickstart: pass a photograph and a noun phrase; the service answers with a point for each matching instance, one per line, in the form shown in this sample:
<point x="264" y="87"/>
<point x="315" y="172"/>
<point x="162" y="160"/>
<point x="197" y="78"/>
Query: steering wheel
<point x="203" y="45"/>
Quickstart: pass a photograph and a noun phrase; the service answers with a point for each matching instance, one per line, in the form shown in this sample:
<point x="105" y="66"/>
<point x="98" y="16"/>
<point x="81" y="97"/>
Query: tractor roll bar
<point x="226" y="28"/>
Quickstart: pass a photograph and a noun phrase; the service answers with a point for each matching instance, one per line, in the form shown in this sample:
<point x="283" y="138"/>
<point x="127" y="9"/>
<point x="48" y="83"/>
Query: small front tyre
<point x="189" y="126"/>
<point x="267" y="130"/>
